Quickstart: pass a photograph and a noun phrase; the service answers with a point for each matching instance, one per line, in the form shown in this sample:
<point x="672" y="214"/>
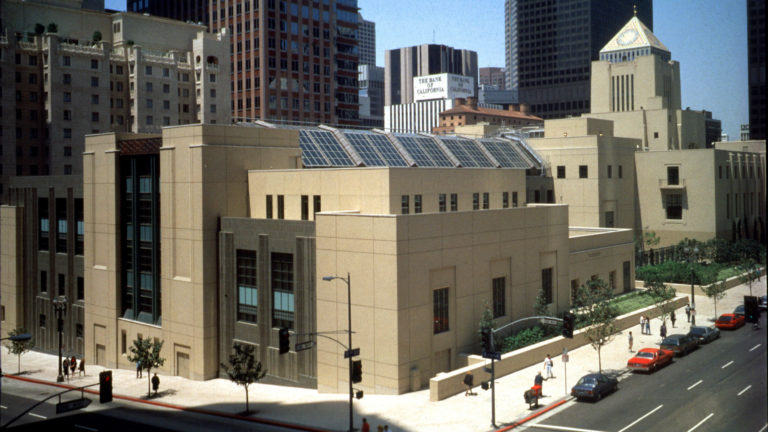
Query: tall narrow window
<point x="505" y="199"/>
<point x="441" y="204"/>
<point x="43" y="281"/>
<point x="80" y="288"/>
<point x="454" y="202"/>
<point x="404" y="204"/>
<point x="417" y="203"/>
<point x="514" y="199"/>
<point x="610" y="171"/>
<point x="247" y="290"/>
<point x="304" y="207"/>
<point x="499" y="302"/>
<point x="674" y="206"/>
<point x="61" y="225"/>
<point x="62" y="285"/>
<point x="44" y="225"/>
<point x="627" y="276"/>
<point x="80" y="226"/>
<point x="440" y="309"/>
<point x="269" y="206"/>
<point x="316" y="203"/>
<point x="282" y="290"/>
<point x="673" y="175"/>
<point x="486" y="201"/>
<point x="583" y="171"/>
<point x="546" y="284"/>
<point x="561" y="171"/>
<point x="280" y="207"/>
<point x="475" y="201"/>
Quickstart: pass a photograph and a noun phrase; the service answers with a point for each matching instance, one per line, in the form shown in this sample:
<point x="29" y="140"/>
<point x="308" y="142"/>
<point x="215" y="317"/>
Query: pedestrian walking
<point x="647" y="325"/>
<point x="65" y="367"/>
<point x="663" y="330"/>
<point x="155" y="383"/>
<point x="629" y="339"/>
<point x="73" y="365"/>
<point x="538" y="379"/>
<point x="672" y="318"/>
<point x="81" y="368"/>
<point x="548" y="367"/>
<point x="693" y="315"/>
<point x="138" y="369"/>
<point x="366" y="427"/>
<point x="469" y="382"/>
<point x="642" y="324"/>
<point x="688" y="312"/>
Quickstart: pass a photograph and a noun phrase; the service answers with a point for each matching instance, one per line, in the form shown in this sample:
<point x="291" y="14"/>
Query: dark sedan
<point x="739" y="310"/>
<point x="594" y="386"/>
<point x="680" y="344"/>
<point x="704" y="334"/>
<point x="761" y="302"/>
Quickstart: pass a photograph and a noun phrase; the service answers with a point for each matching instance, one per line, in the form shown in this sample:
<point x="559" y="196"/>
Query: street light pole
<point x="348" y="281"/>
<point x="59" y="305"/>
<point x="692" y="252"/>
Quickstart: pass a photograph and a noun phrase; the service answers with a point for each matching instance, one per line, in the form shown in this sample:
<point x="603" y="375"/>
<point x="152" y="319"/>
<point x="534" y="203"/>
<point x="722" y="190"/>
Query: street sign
<point x="494" y="355"/>
<point x="72" y="405"/>
<point x="352" y="353"/>
<point x="549" y="321"/>
<point x="301" y="346"/>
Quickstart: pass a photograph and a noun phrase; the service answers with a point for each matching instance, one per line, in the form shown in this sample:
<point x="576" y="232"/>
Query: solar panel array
<point x="322" y="148"/>
<point x="505" y="153"/>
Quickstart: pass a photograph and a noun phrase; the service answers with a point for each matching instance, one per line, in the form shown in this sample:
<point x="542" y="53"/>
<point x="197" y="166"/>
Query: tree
<point x="53" y="28"/>
<point x="749" y="272"/>
<point x="715" y="291"/>
<point x="661" y="295"/>
<point x="243" y="368"/>
<point x="19" y="347"/>
<point x="540" y="308"/>
<point x="96" y="36"/>
<point x="597" y="314"/>
<point x="486" y="321"/>
<point x="39" y="29"/>
<point x="147" y="353"/>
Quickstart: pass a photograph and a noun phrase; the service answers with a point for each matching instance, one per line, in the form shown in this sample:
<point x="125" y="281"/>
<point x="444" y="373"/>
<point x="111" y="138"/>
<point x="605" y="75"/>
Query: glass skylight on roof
<point x="311" y="156"/>
<point x="374" y="149"/>
<point x="505" y="153"/>
<point x="331" y="148"/>
<point x="424" y="151"/>
<point x="466" y="151"/>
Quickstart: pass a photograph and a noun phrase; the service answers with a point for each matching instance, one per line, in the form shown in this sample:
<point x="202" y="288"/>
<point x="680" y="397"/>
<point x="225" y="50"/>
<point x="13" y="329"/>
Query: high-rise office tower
<point x="756" y="64"/>
<point x="402" y="65"/>
<point x="367" y="41"/>
<point x="550" y="45"/>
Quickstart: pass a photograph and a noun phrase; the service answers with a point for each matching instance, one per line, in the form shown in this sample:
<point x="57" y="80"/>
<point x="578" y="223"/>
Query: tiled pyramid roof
<point x="633" y="35"/>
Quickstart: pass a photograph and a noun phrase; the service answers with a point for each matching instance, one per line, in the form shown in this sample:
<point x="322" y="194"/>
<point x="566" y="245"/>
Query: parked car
<point x="761" y="302"/>
<point x="730" y="321"/>
<point x="594" y="386"/>
<point x="704" y="334"/>
<point x="739" y="310"/>
<point x="680" y="344"/>
<point x="650" y="359"/>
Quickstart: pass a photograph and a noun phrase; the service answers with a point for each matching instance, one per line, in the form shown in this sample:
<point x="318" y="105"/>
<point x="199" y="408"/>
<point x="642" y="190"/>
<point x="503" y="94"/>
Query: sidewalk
<point x="407" y="412"/>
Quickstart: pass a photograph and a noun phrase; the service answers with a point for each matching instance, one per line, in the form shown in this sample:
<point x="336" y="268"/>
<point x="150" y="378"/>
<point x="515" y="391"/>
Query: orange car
<point x="650" y="359"/>
<point x="729" y="321"/>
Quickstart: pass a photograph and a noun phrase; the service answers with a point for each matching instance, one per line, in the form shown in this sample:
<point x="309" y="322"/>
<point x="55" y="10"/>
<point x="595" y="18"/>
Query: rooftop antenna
<point x="634" y="9"/>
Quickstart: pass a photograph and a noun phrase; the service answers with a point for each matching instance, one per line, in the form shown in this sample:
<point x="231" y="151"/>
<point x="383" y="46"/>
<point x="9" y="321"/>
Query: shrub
<point x="523" y="338"/>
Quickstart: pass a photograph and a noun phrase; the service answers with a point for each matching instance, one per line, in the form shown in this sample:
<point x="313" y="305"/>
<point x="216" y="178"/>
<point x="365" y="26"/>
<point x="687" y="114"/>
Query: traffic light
<point x="105" y="386"/>
<point x="568" y="320"/>
<point x="751" y="311"/>
<point x="486" y="337"/>
<point x="285" y="341"/>
<point x="357" y="371"/>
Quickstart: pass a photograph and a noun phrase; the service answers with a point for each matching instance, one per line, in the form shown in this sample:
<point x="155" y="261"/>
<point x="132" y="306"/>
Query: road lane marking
<point x="748" y="387"/>
<point x="697" y="383"/>
<point x="727" y="364"/>
<point x="86" y="428"/>
<point x="3" y="407"/>
<point x="563" y="428"/>
<point x="764" y="428"/>
<point x="754" y="347"/>
<point x="638" y="420"/>
<point x="38" y="416"/>
<point x="699" y="423"/>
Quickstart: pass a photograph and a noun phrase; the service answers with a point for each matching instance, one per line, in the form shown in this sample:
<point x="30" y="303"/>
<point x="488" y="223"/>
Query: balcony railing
<point x="666" y="184"/>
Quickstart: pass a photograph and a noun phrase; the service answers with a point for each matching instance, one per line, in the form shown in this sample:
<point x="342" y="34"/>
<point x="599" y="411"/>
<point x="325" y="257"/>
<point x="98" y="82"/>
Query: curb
<point x="534" y="415"/>
<point x="176" y="407"/>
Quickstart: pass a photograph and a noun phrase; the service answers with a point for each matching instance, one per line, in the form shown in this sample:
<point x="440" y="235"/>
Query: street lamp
<point x="347" y="281"/>
<point x="60" y="306"/>
<point x="692" y="252"/>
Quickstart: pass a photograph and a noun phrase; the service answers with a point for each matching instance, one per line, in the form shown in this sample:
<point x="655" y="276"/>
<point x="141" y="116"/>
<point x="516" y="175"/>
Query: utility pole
<point x="350" y="352"/>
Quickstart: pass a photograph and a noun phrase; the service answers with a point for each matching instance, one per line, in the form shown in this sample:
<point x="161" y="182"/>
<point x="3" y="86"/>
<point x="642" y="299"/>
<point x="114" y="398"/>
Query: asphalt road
<point x="117" y="416"/>
<point x="719" y="387"/>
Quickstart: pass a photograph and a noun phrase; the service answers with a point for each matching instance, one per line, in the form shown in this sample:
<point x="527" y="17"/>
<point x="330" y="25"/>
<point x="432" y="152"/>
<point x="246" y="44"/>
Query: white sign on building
<point x="442" y="86"/>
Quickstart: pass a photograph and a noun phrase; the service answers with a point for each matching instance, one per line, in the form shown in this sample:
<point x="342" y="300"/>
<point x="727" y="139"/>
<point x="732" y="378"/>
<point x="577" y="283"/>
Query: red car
<point x="650" y="359"/>
<point x="729" y="321"/>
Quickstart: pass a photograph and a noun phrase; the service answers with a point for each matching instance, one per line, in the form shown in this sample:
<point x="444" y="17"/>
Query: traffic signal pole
<point x="493" y="393"/>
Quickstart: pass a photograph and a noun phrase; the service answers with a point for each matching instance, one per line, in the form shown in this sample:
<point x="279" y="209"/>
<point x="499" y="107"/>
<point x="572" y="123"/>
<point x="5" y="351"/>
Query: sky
<point x="707" y="37"/>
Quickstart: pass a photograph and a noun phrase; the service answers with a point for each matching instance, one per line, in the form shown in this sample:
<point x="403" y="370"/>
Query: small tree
<point x="19" y="347"/>
<point x="243" y="368"/>
<point x="96" y="36"/>
<point x="715" y="291"/>
<point x="147" y="353"/>
<point x="661" y="295"/>
<point x="540" y="308"/>
<point x="486" y="321"/>
<point x="53" y="28"/>
<point x="749" y="272"/>
<point x="597" y="313"/>
<point x="39" y="29"/>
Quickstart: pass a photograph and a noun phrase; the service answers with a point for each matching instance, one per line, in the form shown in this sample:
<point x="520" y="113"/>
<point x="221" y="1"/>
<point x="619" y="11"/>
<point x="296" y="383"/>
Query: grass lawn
<point x="633" y="301"/>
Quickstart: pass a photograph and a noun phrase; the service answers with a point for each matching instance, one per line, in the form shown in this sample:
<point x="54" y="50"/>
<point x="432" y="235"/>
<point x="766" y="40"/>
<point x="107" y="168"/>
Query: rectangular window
<point x="80" y="227"/>
<point x="621" y="171"/>
<point x="583" y="171"/>
<point x="315" y="204"/>
<point x="610" y="171"/>
<point x="514" y="199"/>
<point x="80" y="288"/>
<point x="61" y="225"/>
<point x="476" y="201"/>
<point x="62" y="285"/>
<point x="441" y="203"/>
<point x="627" y="276"/>
<point x="417" y="203"/>
<point x="405" y="204"/>
<point x="561" y="171"/>
<point x="440" y="308"/>
<point x="674" y="206"/>
<point x="505" y="200"/>
<point x="94" y="64"/>
<point x="247" y="288"/>
<point x="42" y="321"/>
<point x="304" y="207"/>
<point x="609" y="219"/>
<point x="280" y="207"/>
<point x="673" y="175"/>
<point x="282" y="290"/>
<point x="486" y="200"/>
<point x="454" y="202"/>
<point x="269" y="206"/>
<point x="44" y="222"/>
<point x="43" y="281"/>
<point x="546" y="284"/>
<point x="499" y="302"/>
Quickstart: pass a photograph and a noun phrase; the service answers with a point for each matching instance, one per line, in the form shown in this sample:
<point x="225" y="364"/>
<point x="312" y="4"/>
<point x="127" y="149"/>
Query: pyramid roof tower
<point x="634" y="39"/>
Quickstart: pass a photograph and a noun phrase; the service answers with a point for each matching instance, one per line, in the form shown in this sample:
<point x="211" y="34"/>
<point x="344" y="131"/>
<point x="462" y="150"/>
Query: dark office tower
<point x="493" y="76"/>
<point x="183" y="10"/>
<point x="756" y="63"/>
<point x="367" y="30"/>
<point x="293" y="61"/>
<point x="550" y="45"/>
<point x="402" y="65"/>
